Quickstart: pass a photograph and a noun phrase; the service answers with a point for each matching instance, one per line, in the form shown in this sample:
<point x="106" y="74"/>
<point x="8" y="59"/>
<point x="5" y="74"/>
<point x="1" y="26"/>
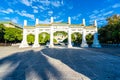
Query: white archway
<point x="53" y="27"/>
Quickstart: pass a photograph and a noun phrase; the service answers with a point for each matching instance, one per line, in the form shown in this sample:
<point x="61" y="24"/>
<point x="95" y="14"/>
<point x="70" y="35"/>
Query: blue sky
<point x="18" y="10"/>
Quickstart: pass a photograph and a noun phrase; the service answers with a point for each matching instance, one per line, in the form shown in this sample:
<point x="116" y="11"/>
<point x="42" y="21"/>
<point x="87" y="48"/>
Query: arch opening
<point x="89" y="39"/>
<point x="44" y="37"/>
<point x="30" y="39"/>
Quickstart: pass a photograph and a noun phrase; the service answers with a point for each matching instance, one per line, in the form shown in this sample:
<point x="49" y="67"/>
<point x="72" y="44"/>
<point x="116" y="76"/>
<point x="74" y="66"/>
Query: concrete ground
<point x="59" y="63"/>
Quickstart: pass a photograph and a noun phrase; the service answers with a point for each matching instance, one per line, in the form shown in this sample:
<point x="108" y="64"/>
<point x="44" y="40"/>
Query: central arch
<point x="44" y="37"/>
<point x="59" y="37"/>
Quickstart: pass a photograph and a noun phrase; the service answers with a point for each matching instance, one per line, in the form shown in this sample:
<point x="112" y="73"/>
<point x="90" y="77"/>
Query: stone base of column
<point x="84" y="45"/>
<point x="36" y="45"/>
<point x="23" y="44"/>
<point x="69" y="46"/>
<point x="96" y="44"/>
<point x="51" y="46"/>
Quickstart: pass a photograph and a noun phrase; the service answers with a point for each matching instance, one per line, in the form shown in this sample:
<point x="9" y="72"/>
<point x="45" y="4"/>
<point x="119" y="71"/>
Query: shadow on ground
<point x="93" y="64"/>
<point x="27" y="65"/>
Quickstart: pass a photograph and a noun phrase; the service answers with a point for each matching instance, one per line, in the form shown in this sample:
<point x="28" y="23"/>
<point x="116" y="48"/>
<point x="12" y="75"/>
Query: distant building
<point x="10" y="24"/>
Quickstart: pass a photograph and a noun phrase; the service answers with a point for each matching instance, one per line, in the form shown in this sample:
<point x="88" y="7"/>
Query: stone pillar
<point x="25" y="22"/>
<point x="24" y="41"/>
<point x="36" y="42"/>
<point x="69" y="38"/>
<point x="84" y="43"/>
<point x="69" y="20"/>
<point x="37" y="21"/>
<point x="52" y="20"/>
<point x="83" y="22"/>
<point x="96" y="41"/>
<point x="51" y="37"/>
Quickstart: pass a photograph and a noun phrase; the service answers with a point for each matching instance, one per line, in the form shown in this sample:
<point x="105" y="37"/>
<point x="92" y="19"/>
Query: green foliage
<point x="44" y="38"/>
<point x="2" y="32"/>
<point x="76" y="38"/>
<point x="115" y="19"/>
<point x="13" y="35"/>
<point x="60" y="32"/>
<point x="65" y="40"/>
<point x="110" y="33"/>
<point x="30" y="38"/>
<point x="89" y="38"/>
<point x="54" y="40"/>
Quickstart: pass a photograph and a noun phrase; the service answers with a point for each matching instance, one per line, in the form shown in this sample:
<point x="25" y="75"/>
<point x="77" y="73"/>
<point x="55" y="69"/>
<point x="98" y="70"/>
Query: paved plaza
<point x="59" y="63"/>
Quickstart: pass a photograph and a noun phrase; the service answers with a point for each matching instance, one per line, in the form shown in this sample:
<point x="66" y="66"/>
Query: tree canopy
<point x="110" y="33"/>
<point x="2" y="32"/>
<point x="13" y="35"/>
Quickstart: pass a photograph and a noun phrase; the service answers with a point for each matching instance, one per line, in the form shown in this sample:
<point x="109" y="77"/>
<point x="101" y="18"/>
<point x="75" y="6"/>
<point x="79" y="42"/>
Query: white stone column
<point x="84" y="43"/>
<point x="37" y="21"/>
<point x="69" y="38"/>
<point x="83" y="22"/>
<point x="51" y="20"/>
<point x="51" y="37"/>
<point x="96" y="41"/>
<point x="24" y="41"/>
<point x="25" y="22"/>
<point x="69" y="20"/>
<point x="36" y="42"/>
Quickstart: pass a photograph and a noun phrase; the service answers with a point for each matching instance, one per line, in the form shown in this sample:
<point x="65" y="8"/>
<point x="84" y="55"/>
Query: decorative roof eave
<point x="40" y="25"/>
<point x="29" y="27"/>
<point x="90" y="27"/>
<point x="76" y="25"/>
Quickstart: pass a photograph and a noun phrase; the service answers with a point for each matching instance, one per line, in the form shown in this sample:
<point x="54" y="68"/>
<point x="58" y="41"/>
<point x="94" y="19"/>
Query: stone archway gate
<point x="53" y="27"/>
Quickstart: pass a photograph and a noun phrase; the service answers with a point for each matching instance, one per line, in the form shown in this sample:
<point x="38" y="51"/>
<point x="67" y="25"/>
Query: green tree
<point x="2" y="32"/>
<point x="76" y="38"/>
<point x="44" y="38"/>
<point x="60" y="32"/>
<point x="13" y="35"/>
<point x="110" y="33"/>
<point x="89" y="38"/>
<point x="115" y="19"/>
<point x="30" y="38"/>
<point x="54" y="40"/>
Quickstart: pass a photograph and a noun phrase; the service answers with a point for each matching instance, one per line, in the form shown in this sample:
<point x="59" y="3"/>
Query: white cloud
<point x="50" y="13"/>
<point x="107" y="13"/>
<point x="34" y="7"/>
<point x="35" y="11"/>
<point x="7" y="18"/>
<point x="8" y="11"/>
<point x="56" y="3"/>
<point x="116" y="5"/>
<point x="46" y="21"/>
<point x="100" y="15"/>
<point x="24" y="13"/>
<point x="26" y="2"/>
<point x="76" y="17"/>
<point x="15" y="20"/>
